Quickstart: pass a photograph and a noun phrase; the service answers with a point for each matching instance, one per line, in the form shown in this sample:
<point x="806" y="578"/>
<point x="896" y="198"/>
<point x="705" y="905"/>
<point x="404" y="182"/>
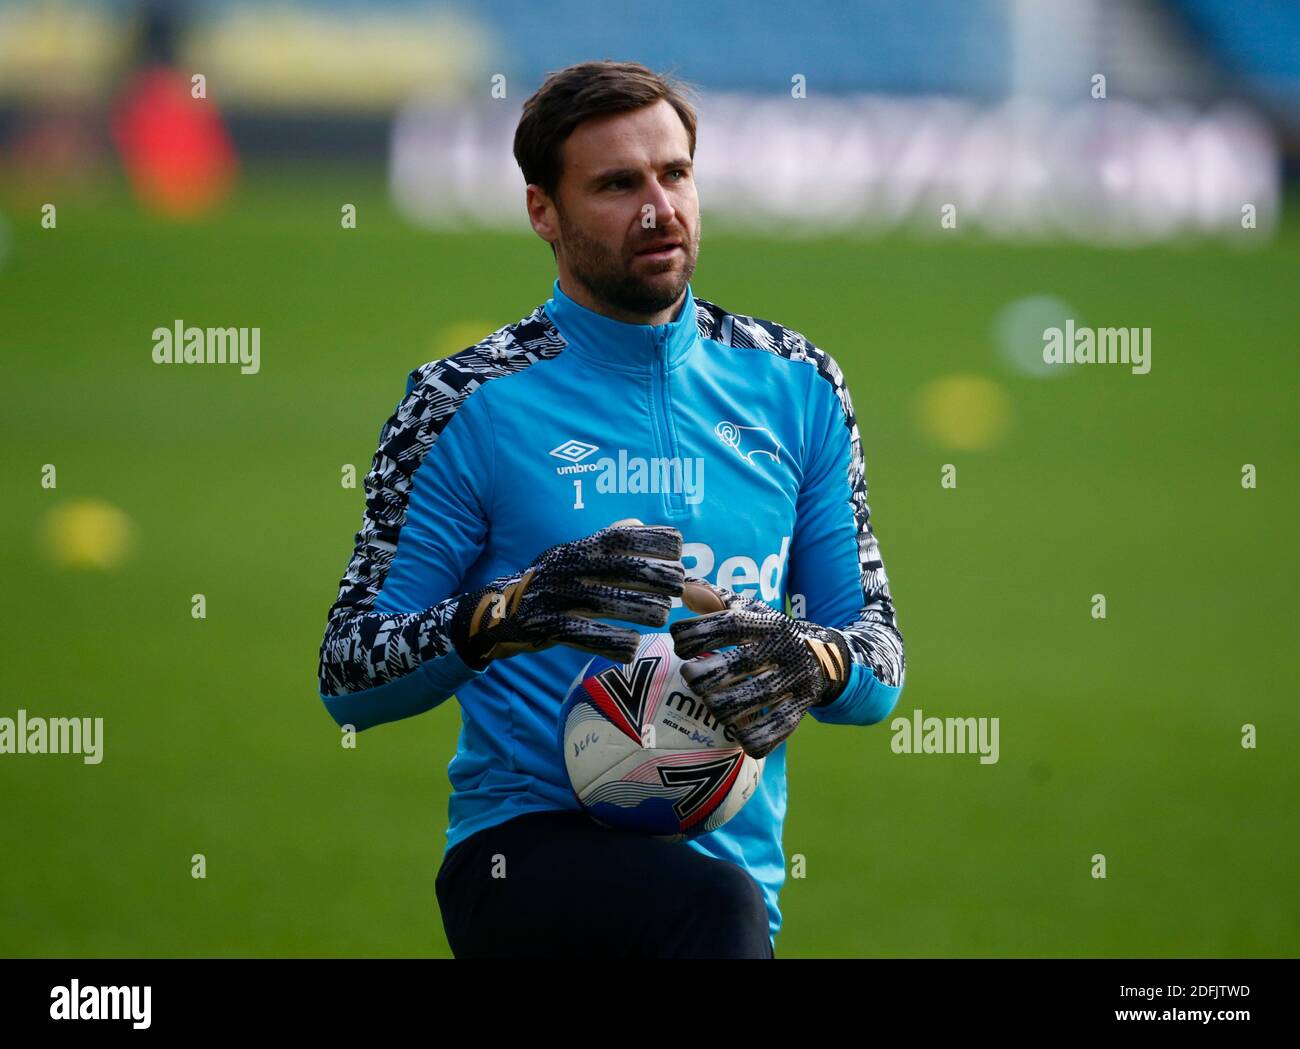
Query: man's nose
<point x="658" y="199"/>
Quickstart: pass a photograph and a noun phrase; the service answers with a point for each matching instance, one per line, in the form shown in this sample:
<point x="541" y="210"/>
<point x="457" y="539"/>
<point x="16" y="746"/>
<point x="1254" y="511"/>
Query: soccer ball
<point x="644" y="753"/>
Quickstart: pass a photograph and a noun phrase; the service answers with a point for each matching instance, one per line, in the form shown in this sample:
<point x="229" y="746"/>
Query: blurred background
<point x="919" y="188"/>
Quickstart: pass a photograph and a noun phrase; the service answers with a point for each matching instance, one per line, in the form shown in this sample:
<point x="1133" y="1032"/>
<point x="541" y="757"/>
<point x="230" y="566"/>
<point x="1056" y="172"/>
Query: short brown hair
<point x="569" y="96"/>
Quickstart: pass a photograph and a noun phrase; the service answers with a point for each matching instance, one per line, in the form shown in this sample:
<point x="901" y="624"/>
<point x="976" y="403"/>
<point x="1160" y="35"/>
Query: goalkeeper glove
<point x="779" y="668"/>
<point x="627" y="571"/>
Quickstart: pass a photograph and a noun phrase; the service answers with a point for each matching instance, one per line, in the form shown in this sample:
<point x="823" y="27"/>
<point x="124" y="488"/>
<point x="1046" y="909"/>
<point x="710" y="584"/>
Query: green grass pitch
<point x="1118" y="736"/>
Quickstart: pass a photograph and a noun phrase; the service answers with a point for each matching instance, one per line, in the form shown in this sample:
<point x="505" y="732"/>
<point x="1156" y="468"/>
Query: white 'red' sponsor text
<point x="739" y="573"/>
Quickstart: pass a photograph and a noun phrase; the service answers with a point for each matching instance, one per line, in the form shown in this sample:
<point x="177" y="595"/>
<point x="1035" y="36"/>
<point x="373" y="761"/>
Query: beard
<point x="610" y="277"/>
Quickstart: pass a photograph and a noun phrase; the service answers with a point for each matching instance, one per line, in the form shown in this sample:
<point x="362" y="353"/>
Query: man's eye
<point x="616" y="183"/>
<point x="678" y="171"/>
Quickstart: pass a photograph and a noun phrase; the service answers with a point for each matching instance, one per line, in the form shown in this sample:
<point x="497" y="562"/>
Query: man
<point x="486" y="565"/>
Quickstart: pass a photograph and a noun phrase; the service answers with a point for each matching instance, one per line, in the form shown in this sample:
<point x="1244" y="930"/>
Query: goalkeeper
<point x="486" y="565"/>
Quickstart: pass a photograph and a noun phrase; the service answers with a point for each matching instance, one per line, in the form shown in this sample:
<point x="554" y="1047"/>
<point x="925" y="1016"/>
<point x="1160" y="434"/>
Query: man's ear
<point x="542" y="214"/>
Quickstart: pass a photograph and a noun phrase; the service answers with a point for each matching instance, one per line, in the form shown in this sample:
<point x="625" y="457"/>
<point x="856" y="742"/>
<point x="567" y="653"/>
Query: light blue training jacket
<point x="548" y="430"/>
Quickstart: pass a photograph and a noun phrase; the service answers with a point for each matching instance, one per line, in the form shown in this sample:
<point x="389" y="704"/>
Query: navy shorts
<point x="558" y="885"/>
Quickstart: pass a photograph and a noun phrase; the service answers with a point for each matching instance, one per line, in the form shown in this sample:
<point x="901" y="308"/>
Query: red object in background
<point x="175" y="148"/>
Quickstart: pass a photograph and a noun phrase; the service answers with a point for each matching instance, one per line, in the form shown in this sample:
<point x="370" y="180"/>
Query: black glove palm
<point x="780" y="667"/>
<point x="627" y="571"/>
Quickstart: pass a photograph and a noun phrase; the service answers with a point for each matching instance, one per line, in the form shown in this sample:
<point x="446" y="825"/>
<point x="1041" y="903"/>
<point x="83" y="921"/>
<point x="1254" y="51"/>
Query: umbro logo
<point x="573" y="451"/>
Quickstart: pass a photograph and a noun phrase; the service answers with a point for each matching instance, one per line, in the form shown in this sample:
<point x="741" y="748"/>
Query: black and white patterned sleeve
<point x="836" y="561"/>
<point x="379" y="662"/>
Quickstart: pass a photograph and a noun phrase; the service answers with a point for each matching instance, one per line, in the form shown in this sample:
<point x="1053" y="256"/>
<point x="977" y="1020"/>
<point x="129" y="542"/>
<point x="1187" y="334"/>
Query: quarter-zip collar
<point x="619" y="345"/>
